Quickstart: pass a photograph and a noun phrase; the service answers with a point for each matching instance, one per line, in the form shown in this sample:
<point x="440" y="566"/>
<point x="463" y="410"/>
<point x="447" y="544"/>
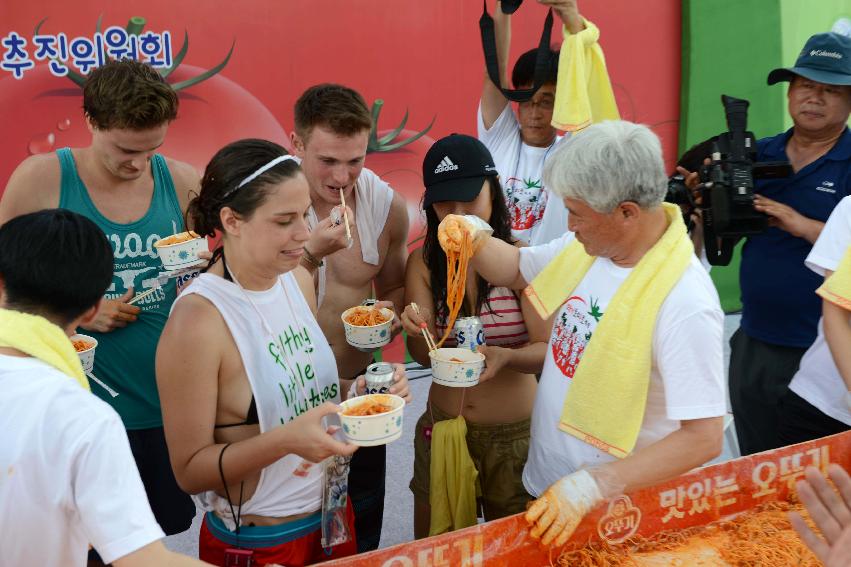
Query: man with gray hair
<point x="632" y="388"/>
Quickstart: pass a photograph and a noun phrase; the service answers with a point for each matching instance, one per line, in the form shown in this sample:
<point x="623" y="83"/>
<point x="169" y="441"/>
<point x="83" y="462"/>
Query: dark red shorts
<point x="293" y="544"/>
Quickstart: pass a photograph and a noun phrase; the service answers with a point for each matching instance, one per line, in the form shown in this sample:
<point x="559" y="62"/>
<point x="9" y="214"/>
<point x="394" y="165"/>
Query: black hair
<point x="435" y="258"/>
<point x="54" y="263"/>
<point x="220" y="185"/>
<point x="523" y="74"/>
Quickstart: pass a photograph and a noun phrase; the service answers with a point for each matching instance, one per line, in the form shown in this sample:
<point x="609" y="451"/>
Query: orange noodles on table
<point x="366" y="317"/>
<point x="457" y="241"/>
<point x="761" y="537"/>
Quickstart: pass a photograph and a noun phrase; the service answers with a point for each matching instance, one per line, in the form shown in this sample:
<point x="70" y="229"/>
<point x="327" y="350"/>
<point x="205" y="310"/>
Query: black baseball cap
<point x="826" y="58"/>
<point x="455" y="168"/>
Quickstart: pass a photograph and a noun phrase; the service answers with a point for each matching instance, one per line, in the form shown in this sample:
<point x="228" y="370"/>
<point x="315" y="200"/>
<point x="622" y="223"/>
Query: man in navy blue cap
<point x="780" y="310"/>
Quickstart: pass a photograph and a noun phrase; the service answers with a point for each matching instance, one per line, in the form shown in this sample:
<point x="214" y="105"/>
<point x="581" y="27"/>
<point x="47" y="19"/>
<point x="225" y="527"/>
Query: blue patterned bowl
<point x="182" y="254"/>
<point x="456" y="367"/>
<point x="371" y="430"/>
<point x="368" y="339"/>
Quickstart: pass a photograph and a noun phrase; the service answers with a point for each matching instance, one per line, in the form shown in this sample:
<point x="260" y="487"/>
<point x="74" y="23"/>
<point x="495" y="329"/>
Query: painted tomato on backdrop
<point x="41" y="113"/>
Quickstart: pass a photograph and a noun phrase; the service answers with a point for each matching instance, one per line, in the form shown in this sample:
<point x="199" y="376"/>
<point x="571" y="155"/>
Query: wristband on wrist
<point x="312" y="260"/>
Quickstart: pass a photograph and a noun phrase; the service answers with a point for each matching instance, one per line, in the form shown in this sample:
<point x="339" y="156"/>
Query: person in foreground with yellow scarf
<point x="632" y="390"/>
<point x="69" y="478"/>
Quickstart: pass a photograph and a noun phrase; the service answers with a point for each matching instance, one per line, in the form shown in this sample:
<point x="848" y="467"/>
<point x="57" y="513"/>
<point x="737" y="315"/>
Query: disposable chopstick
<point x="112" y="392"/>
<point x="426" y="334"/>
<point x="345" y="215"/>
<point x="143" y="295"/>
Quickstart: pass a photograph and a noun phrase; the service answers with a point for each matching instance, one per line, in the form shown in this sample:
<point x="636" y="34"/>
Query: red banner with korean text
<point x="694" y="499"/>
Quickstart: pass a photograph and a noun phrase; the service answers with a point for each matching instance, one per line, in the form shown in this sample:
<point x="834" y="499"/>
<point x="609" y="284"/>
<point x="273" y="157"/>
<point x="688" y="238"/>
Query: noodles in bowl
<point x="374" y="419"/>
<point x="367" y="328"/>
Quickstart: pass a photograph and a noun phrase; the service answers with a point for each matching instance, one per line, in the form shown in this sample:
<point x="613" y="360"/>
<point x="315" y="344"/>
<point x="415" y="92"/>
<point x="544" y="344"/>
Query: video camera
<point x="727" y="185"/>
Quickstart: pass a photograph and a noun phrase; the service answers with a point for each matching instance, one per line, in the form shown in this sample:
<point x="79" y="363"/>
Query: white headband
<point x="260" y="171"/>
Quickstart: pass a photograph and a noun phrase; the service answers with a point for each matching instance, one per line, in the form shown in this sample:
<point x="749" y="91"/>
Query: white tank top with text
<point x="289" y="373"/>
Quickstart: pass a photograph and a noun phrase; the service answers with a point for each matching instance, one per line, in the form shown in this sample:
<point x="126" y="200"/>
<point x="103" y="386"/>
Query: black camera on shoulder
<point x="727" y="185"/>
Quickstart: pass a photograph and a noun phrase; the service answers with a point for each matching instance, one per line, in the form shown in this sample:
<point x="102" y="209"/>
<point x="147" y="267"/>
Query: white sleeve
<point x="501" y="137"/>
<point x="533" y="259"/>
<point x="833" y="241"/>
<point x="689" y="356"/>
<point x="108" y="492"/>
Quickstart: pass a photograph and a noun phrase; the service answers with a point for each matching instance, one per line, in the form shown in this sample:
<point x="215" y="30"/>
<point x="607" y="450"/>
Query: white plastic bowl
<point x="463" y="374"/>
<point x="372" y="430"/>
<point x="87" y="357"/>
<point x="182" y="254"/>
<point x="369" y="338"/>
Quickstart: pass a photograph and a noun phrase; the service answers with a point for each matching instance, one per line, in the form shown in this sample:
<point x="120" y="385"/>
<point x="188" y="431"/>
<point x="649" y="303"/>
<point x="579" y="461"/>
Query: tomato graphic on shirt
<point x="526" y="200"/>
<point x="572" y="331"/>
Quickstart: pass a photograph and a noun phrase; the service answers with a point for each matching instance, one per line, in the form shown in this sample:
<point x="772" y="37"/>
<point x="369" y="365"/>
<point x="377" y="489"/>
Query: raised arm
<point x="493" y="101"/>
<point x="499" y="263"/>
<point x="568" y="11"/>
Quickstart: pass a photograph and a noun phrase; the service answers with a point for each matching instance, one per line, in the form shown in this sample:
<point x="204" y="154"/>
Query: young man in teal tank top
<point x="136" y="197"/>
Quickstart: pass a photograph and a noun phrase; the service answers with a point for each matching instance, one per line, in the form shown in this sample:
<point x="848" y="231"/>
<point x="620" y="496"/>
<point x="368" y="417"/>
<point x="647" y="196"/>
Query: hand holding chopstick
<point x="426" y="334"/>
<point x="140" y="296"/>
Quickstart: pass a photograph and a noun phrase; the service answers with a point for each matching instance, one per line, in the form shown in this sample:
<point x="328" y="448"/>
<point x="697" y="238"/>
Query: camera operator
<point x="780" y="310"/>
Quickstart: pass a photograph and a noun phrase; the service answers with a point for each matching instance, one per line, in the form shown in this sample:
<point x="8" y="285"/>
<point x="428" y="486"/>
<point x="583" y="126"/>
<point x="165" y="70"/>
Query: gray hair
<point x="608" y="163"/>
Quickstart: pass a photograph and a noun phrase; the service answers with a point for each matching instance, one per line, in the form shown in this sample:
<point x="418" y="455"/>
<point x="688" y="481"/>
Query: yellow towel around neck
<point x="837" y="288"/>
<point x="454" y="479"/>
<point x="583" y="91"/>
<point x="41" y="339"/>
<point x="606" y="400"/>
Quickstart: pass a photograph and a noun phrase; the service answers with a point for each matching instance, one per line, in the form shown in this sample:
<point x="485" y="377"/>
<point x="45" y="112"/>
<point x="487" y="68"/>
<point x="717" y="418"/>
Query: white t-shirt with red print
<point x="687" y="374"/>
<point x="521" y="167"/>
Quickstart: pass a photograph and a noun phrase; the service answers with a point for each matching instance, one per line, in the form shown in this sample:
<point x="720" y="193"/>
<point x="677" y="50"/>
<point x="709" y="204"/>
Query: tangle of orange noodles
<point x="762" y="537"/>
<point x="457" y="241"/>
<point x="365" y="317"/>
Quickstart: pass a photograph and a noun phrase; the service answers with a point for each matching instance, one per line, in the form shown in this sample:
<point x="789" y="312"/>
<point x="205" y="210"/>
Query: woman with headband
<point x="245" y="375"/>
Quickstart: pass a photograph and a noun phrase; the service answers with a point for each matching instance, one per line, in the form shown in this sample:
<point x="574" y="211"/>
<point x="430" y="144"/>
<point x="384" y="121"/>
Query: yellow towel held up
<point x="454" y="478"/>
<point x="41" y="339"/>
<point x="583" y="92"/>
<point x="837" y="288"/>
<point x="605" y="403"/>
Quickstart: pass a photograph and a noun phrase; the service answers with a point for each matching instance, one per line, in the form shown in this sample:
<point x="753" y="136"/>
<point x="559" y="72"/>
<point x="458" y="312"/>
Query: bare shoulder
<point x="33" y="186"/>
<point x="186" y="179"/>
<point x="397" y="217"/>
<point x="194" y="320"/>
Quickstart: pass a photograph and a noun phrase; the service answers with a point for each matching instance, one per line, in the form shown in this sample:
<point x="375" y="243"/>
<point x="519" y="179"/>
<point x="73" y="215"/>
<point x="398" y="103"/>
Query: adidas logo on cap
<point x="445" y="165"/>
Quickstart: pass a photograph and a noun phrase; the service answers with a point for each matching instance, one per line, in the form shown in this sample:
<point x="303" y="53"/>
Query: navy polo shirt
<point x="779" y="304"/>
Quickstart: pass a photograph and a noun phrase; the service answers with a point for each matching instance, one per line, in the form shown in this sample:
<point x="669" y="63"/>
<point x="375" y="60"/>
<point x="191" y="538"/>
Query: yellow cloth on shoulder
<point x="41" y="339"/>
<point x="454" y="483"/>
<point x="583" y="92"/>
<point x="605" y="404"/>
<point x="837" y="288"/>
